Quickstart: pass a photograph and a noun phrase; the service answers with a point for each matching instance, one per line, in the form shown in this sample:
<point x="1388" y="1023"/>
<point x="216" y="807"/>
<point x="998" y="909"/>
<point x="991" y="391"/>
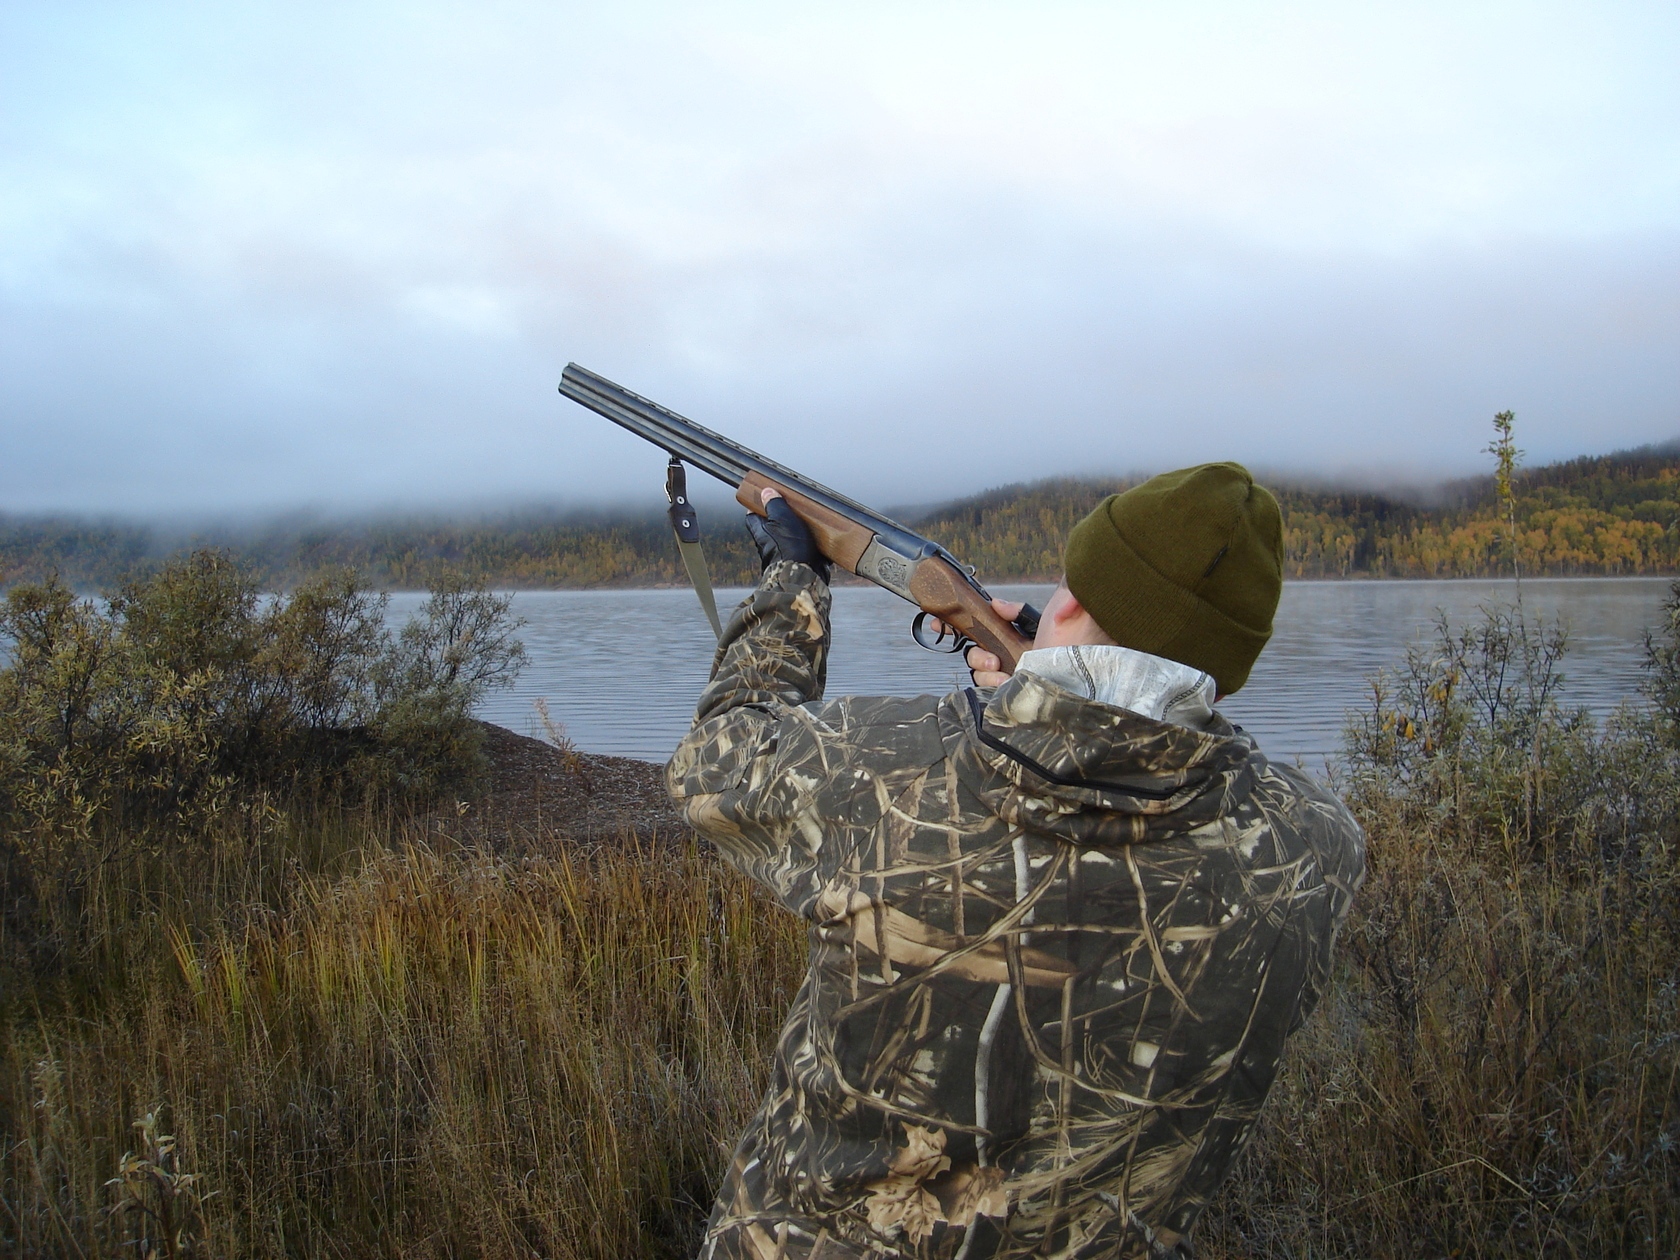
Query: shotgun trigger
<point x="918" y="632"/>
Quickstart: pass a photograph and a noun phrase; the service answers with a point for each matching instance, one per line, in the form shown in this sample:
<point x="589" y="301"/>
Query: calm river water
<point x="621" y="670"/>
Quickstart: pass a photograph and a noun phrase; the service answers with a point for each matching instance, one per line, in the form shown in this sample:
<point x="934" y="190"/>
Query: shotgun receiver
<point x="858" y="539"/>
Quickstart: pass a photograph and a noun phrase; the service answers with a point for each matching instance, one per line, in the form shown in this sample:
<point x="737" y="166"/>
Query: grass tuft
<point x="430" y="1054"/>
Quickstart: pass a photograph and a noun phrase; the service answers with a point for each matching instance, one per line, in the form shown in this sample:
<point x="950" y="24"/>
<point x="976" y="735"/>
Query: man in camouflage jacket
<point x="1060" y="928"/>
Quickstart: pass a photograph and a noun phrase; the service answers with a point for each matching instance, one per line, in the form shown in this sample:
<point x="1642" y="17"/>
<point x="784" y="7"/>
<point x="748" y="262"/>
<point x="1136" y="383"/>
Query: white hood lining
<point x="1126" y="679"/>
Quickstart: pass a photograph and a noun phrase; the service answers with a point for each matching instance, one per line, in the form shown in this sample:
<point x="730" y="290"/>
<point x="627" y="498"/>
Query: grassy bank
<point x="366" y="1038"/>
<point x="417" y="1053"/>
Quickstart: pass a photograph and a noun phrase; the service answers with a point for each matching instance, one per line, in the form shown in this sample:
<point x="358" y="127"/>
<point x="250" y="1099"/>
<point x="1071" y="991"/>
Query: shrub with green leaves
<point x="1469" y="734"/>
<point x="1662" y="664"/>
<point x="190" y="687"/>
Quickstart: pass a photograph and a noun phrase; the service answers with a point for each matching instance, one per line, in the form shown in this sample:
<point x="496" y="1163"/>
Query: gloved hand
<point x="781" y="535"/>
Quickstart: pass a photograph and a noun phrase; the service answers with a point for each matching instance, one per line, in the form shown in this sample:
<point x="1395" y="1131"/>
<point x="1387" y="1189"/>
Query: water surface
<point x="622" y="669"/>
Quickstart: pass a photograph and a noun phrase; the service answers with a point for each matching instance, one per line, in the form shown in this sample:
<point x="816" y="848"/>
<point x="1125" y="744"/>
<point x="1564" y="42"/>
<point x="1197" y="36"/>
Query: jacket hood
<point x="1043" y="758"/>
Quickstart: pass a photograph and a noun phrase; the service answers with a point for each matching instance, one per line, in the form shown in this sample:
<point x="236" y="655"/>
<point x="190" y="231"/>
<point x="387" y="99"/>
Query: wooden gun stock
<point x="940" y="589"/>
<point x="935" y="585"/>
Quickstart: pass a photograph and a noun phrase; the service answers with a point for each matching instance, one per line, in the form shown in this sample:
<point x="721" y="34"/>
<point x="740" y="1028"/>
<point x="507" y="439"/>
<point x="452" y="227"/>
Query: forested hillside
<point x="1606" y="514"/>
<point x="530" y="551"/>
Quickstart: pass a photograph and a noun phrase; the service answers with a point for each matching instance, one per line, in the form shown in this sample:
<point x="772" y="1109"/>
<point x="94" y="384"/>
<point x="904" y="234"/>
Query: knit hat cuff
<point x="1140" y="609"/>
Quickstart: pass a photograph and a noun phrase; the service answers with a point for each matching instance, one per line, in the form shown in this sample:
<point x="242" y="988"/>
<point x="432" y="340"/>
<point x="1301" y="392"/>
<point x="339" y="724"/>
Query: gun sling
<point x="685" y="524"/>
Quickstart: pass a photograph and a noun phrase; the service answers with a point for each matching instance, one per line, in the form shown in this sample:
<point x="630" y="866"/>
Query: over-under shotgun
<point x="858" y="539"/>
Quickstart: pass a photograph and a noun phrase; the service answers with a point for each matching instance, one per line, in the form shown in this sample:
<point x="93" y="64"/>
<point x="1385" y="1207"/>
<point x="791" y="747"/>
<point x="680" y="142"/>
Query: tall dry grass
<point x="1494" y="1074"/>
<point x="428" y="1054"/>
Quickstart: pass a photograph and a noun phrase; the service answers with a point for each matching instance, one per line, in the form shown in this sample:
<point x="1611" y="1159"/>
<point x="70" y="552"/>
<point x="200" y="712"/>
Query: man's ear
<point x="1066" y="608"/>
<point x="1070" y="617"/>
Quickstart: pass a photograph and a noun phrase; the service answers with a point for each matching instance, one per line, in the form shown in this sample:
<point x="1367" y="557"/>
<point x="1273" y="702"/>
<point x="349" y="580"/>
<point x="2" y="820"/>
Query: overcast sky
<point x="260" y="256"/>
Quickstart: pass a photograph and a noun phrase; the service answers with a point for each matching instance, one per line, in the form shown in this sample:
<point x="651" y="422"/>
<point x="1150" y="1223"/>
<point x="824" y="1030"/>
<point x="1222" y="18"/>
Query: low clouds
<point x="340" y="259"/>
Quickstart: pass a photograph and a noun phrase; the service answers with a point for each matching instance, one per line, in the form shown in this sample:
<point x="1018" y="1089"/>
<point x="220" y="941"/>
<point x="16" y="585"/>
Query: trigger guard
<point x="959" y="642"/>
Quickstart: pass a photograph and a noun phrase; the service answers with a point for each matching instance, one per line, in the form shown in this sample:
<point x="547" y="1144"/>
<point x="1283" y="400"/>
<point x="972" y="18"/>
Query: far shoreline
<point x="1006" y="583"/>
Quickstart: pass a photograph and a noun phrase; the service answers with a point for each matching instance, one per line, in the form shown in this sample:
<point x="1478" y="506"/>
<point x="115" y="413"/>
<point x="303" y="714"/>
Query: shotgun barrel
<point x="728" y="461"/>
<point x="858" y="538"/>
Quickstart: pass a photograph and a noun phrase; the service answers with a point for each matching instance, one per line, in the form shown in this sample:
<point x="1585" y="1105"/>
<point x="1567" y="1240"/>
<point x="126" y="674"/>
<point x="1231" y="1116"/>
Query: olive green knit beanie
<point x="1187" y="566"/>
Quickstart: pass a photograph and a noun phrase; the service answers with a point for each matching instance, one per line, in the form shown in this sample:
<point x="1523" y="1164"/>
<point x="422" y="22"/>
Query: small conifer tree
<point x="1507" y="458"/>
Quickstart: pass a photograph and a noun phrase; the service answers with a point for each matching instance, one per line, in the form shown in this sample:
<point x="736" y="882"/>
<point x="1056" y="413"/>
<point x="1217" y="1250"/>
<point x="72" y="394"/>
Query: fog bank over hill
<point x="1608" y="514"/>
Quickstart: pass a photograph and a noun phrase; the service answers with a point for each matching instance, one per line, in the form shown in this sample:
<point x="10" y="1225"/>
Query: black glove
<point x="780" y="535"/>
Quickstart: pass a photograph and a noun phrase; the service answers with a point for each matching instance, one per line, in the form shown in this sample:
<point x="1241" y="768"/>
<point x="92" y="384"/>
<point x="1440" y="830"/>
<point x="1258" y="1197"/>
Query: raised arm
<point x="774" y="651"/>
<point x="932" y="582"/>
<point x="773" y="658"/>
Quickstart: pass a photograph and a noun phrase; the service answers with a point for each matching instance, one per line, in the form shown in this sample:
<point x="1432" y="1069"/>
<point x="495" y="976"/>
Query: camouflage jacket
<point x="1055" y="950"/>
